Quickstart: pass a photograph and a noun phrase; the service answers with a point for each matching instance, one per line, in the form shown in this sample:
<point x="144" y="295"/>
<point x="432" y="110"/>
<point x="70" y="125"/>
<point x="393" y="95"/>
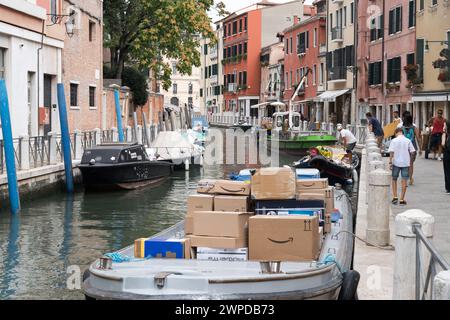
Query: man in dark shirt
<point x="375" y="127"/>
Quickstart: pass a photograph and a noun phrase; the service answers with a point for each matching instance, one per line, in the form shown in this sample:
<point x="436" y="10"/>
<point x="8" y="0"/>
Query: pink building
<point x="386" y="45"/>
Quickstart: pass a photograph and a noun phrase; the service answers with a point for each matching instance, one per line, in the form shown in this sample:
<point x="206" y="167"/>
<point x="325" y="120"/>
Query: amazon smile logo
<point x="291" y="240"/>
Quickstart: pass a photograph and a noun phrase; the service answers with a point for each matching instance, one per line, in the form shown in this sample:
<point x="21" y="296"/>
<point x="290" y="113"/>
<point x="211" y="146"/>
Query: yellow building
<point x="433" y="37"/>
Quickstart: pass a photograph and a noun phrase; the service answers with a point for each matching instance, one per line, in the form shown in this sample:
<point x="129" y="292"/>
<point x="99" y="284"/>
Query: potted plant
<point x="444" y="75"/>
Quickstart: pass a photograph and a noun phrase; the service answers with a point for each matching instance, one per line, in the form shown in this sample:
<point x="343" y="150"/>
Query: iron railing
<point x="17" y="152"/>
<point x="436" y="260"/>
<point x="336" y="33"/>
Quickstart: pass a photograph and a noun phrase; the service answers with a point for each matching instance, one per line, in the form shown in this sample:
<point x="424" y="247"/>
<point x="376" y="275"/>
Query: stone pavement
<point x="376" y="265"/>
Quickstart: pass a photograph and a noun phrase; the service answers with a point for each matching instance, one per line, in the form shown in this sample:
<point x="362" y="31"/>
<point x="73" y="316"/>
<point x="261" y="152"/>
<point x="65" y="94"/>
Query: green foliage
<point x="137" y="82"/>
<point x="141" y="32"/>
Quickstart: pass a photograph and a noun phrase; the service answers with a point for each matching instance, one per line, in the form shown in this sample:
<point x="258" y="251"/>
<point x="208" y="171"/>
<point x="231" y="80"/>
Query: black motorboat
<point x="122" y="166"/>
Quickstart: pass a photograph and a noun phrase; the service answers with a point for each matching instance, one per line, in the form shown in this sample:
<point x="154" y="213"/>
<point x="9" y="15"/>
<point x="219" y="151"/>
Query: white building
<point x="31" y="46"/>
<point x="185" y="89"/>
<point x="211" y="91"/>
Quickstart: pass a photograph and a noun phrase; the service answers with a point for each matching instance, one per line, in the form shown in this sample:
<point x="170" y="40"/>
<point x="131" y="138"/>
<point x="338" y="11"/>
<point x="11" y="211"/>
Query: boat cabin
<point x="115" y="153"/>
<point x="294" y="118"/>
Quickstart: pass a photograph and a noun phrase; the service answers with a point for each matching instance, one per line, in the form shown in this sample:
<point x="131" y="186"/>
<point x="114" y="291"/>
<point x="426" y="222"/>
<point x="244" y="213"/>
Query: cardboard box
<point x="229" y="255"/>
<point x="277" y="207"/>
<point x="273" y="184"/>
<point x="327" y="223"/>
<point x="231" y="203"/>
<point x="189" y="224"/>
<point x="218" y="242"/>
<point x="320" y="237"/>
<point x="220" y="224"/>
<point x="312" y="183"/>
<point x="162" y="248"/>
<point x="283" y="238"/>
<point x="224" y="187"/>
<point x="200" y="202"/>
<point x="326" y="194"/>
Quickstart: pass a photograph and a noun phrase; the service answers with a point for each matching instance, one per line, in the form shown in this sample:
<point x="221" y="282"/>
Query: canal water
<point x="57" y="233"/>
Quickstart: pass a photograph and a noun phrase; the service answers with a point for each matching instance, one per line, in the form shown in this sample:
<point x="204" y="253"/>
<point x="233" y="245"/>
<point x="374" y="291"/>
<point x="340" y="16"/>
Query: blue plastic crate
<point x="307" y="173"/>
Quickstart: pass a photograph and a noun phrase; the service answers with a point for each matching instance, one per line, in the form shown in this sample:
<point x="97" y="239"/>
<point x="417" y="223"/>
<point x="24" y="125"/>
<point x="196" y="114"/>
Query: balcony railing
<point x="337" y="73"/>
<point x="323" y="49"/>
<point x="232" y="87"/>
<point x="336" y="33"/>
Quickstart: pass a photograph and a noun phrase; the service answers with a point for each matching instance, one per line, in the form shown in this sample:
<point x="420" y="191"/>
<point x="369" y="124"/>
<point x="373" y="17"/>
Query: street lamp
<point x="427" y="47"/>
<point x="69" y="24"/>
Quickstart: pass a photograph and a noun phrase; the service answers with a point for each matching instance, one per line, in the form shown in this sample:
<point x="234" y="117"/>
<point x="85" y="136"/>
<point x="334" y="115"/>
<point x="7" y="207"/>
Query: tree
<point x="137" y="82"/>
<point x="141" y="32"/>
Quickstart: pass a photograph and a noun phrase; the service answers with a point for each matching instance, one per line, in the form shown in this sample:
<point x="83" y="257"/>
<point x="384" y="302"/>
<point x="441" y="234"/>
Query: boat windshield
<point x="101" y="156"/>
<point x="133" y="154"/>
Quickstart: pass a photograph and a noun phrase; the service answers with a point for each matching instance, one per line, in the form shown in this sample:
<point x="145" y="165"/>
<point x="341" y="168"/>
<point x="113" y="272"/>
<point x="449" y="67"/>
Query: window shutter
<point x="329" y="60"/>
<point x="307" y="39"/>
<point x="391" y="22"/>
<point x="398" y="19"/>
<point x="381" y="26"/>
<point x="399" y="69"/>
<point x="410" y="58"/>
<point x="389" y="70"/>
<point x="371" y="65"/>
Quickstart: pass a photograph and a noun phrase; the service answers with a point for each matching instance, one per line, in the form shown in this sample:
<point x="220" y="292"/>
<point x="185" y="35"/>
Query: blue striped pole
<point x="119" y="116"/>
<point x="13" y="189"/>
<point x="65" y="137"/>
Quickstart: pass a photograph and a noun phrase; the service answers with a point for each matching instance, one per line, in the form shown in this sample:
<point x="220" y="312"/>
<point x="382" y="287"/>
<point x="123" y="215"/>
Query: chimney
<point x="296" y="20"/>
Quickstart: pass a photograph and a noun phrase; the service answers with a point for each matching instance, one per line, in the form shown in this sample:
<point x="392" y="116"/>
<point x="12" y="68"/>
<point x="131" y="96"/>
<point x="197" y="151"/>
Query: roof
<point x="303" y="23"/>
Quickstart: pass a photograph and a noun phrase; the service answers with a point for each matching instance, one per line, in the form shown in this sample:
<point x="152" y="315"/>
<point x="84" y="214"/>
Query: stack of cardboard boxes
<point x="279" y="216"/>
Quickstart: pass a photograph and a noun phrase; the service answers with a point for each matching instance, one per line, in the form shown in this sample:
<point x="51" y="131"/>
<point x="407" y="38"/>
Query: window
<point x="229" y="52"/>
<point x="2" y="63"/>
<point x="352" y="12"/>
<point x="245" y="23"/>
<point x="224" y="53"/>
<point x="307" y="39"/>
<point x="201" y="92"/>
<point x="229" y="30"/>
<point x="224" y="30"/>
<point x="410" y="58"/>
<point x="287" y="46"/>
<point x="395" y="20"/>
<point x="235" y="27"/>
<point x="331" y="21"/>
<point x="321" y="79"/>
<point x="412" y="13"/>
<point x="291" y="45"/>
<point x="301" y="45"/>
<point x="240" y="25"/>
<point x="376" y="28"/>
<point x="190" y="101"/>
<point x="174" y="68"/>
<point x="292" y="80"/>
<point x="215" y="69"/>
<point x="92" y="97"/>
<point x="244" y="77"/>
<point x="394" y="69"/>
<point x="91" y="31"/>
<point x="314" y="70"/>
<point x="286" y="81"/>
<point x="420" y="46"/>
<point x="315" y="38"/>
<point x="433" y="2"/>
<point x="175" y="88"/>
<point x="349" y="56"/>
<point x="421" y="5"/>
<point x="240" y="49"/>
<point x="245" y="47"/>
<point x="54" y="10"/>
<point x="206" y="72"/>
<point x="74" y="95"/>
<point x="205" y="49"/>
<point x="345" y="16"/>
<point x="375" y="70"/>
<point x="190" y="88"/>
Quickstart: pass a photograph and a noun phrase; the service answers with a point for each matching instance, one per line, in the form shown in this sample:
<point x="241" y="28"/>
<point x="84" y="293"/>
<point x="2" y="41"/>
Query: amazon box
<point x="273" y="184"/>
<point x="220" y="224"/>
<point x="162" y="248"/>
<point x="239" y="188"/>
<point x="200" y="202"/>
<point x="231" y="203"/>
<point x="326" y="194"/>
<point x="312" y="183"/>
<point x="283" y="238"/>
<point x="217" y="242"/>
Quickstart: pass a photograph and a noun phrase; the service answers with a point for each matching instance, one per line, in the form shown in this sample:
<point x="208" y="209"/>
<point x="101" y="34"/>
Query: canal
<point x="55" y="232"/>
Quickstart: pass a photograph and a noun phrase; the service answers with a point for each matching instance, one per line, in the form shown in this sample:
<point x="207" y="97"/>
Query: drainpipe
<point x="383" y="58"/>
<point x="355" y="57"/>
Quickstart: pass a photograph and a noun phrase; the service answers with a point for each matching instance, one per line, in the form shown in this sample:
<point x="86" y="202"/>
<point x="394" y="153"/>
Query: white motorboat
<point x="174" y="279"/>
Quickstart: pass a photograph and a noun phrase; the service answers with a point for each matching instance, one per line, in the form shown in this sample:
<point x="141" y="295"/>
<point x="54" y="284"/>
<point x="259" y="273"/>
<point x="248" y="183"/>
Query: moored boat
<point x="189" y="279"/>
<point x="121" y="165"/>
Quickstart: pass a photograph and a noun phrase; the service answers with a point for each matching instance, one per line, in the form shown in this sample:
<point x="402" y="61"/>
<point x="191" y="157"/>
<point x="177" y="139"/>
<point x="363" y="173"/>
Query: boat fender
<point x="349" y="286"/>
<point x="86" y="274"/>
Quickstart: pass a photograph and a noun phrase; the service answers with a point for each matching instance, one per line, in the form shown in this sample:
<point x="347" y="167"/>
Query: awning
<point x="331" y="96"/>
<point x="259" y="105"/>
<point x="438" y="96"/>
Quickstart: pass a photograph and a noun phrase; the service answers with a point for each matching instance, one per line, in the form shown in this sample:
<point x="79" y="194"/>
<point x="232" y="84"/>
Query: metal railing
<point x="337" y="73"/>
<point x="39" y="151"/>
<point x="336" y="33"/>
<point x="436" y="260"/>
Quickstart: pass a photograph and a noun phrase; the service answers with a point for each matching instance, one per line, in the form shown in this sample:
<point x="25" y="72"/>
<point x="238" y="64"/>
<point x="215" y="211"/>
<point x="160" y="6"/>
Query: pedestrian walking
<point x="447" y="156"/>
<point x="347" y="137"/>
<point x="438" y="124"/>
<point x="400" y="150"/>
<point x="375" y="127"/>
<point x="411" y="132"/>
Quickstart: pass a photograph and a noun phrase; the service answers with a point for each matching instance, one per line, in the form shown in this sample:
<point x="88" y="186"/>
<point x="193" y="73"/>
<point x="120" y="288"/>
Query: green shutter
<point x="419" y="56"/>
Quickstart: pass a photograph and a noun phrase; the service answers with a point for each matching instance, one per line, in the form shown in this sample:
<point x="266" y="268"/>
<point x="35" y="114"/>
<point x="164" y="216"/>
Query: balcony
<point x="301" y="50"/>
<point x="336" y="34"/>
<point x="337" y="1"/>
<point x="337" y="74"/>
<point x="213" y="54"/>
<point x="232" y="87"/>
<point x="322" y="49"/>
<point x="213" y="80"/>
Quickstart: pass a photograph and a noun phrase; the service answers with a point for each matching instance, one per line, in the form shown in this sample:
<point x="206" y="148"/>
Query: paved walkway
<point x="376" y="265"/>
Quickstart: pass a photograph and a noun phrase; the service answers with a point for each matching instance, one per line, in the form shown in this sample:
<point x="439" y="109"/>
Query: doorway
<point x="48" y="103"/>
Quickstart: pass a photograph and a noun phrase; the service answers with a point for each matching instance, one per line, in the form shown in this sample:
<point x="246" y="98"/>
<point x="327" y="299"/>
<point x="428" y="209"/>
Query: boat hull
<point x="124" y="175"/>
<point x="303" y="143"/>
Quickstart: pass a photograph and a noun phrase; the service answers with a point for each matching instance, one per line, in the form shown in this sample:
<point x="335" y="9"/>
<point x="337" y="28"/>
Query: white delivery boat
<point x="175" y="279"/>
<point x="176" y="148"/>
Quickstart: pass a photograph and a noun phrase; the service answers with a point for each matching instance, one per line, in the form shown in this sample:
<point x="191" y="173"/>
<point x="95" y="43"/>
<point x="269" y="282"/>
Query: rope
<point x="331" y="259"/>
<point x="119" y="258"/>
<point x="367" y="242"/>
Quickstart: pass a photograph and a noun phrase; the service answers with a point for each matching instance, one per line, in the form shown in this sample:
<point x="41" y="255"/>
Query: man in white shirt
<point x="348" y="139"/>
<point x="400" y="150"/>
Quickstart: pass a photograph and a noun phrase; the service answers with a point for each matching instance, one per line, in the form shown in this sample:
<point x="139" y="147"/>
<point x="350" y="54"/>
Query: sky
<point x="233" y="5"/>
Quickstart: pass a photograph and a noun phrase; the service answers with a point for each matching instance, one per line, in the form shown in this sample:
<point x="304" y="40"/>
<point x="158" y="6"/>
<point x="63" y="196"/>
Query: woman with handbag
<point x="446" y="147"/>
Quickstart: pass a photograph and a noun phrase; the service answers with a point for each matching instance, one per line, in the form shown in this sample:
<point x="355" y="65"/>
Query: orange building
<point x="246" y="32"/>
